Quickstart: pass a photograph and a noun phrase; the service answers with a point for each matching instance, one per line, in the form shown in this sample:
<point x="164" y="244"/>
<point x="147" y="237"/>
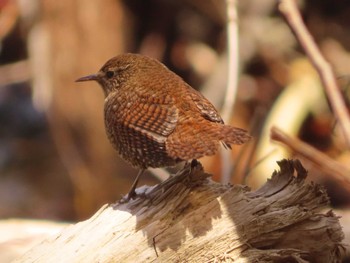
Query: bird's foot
<point x="126" y="198"/>
<point x="191" y="165"/>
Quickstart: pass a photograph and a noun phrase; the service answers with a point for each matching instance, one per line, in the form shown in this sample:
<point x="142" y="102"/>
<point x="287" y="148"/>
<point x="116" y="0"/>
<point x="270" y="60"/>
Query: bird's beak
<point x="88" y="78"/>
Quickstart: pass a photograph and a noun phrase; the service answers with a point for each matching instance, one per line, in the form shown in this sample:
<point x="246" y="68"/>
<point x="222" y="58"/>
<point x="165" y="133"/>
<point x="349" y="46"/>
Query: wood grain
<point x="190" y="218"/>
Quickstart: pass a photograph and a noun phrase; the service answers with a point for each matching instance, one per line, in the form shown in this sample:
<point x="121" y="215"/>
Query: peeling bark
<point x="190" y="218"/>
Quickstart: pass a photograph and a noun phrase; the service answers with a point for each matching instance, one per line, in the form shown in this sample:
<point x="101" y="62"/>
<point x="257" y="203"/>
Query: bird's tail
<point x="232" y="135"/>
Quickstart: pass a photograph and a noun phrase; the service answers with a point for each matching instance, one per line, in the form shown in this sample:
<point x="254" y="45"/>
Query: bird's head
<point x="120" y="69"/>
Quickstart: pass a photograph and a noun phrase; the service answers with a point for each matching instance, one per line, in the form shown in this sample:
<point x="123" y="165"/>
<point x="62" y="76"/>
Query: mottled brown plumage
<point x="155" y="119"/>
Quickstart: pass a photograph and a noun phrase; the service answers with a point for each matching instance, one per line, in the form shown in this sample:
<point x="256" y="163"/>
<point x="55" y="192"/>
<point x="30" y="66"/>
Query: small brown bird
<point x="153" y="118"/>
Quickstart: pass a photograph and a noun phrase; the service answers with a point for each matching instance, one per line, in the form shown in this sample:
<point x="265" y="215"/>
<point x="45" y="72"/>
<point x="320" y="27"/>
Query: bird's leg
<point x="132" y="194"/>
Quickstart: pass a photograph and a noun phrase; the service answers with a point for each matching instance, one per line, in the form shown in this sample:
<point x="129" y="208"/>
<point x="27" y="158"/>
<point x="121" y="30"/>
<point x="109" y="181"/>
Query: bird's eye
<point x="109" y="74"/>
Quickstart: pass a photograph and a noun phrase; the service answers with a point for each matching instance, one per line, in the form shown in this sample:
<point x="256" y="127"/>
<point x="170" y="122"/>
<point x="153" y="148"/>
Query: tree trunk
<point x="190" y="218"/>
<point x="72" y="39"/>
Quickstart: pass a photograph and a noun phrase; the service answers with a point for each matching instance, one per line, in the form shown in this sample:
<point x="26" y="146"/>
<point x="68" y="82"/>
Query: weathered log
<point x="190" y="218"/>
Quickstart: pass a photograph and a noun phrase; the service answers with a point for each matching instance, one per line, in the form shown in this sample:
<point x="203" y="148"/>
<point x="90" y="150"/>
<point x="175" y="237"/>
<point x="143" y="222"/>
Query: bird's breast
<point x="138" y="130"/>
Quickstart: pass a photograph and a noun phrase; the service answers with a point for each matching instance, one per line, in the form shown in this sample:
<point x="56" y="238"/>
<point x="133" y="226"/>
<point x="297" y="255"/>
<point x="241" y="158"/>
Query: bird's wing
<point x="154" y="117"/>
<point x="207" y="109"/>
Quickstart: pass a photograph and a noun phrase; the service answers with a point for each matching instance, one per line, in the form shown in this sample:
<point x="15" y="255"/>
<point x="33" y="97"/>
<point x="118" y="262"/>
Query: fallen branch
<point x="336" y="170"/>
<point x="190" y="218"/>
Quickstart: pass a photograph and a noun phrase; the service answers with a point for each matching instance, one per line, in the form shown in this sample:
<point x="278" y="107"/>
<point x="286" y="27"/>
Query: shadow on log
<point x="190" y="218"/>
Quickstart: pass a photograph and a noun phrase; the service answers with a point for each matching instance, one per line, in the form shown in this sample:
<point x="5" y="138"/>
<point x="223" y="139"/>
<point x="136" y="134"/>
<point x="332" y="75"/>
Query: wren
<point x="153" y="118"/>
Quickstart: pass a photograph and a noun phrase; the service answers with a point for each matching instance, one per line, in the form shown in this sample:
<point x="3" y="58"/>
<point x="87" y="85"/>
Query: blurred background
<point x="55" y="160"/>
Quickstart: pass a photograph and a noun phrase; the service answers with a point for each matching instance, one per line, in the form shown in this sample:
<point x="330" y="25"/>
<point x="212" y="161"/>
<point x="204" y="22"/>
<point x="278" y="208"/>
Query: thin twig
<point x="336" y="170"/>
<point x="232" y="53"/>
<point x="232" y="79"/>
<point x="14" y="73"/>
<point x="289" y="9"/>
